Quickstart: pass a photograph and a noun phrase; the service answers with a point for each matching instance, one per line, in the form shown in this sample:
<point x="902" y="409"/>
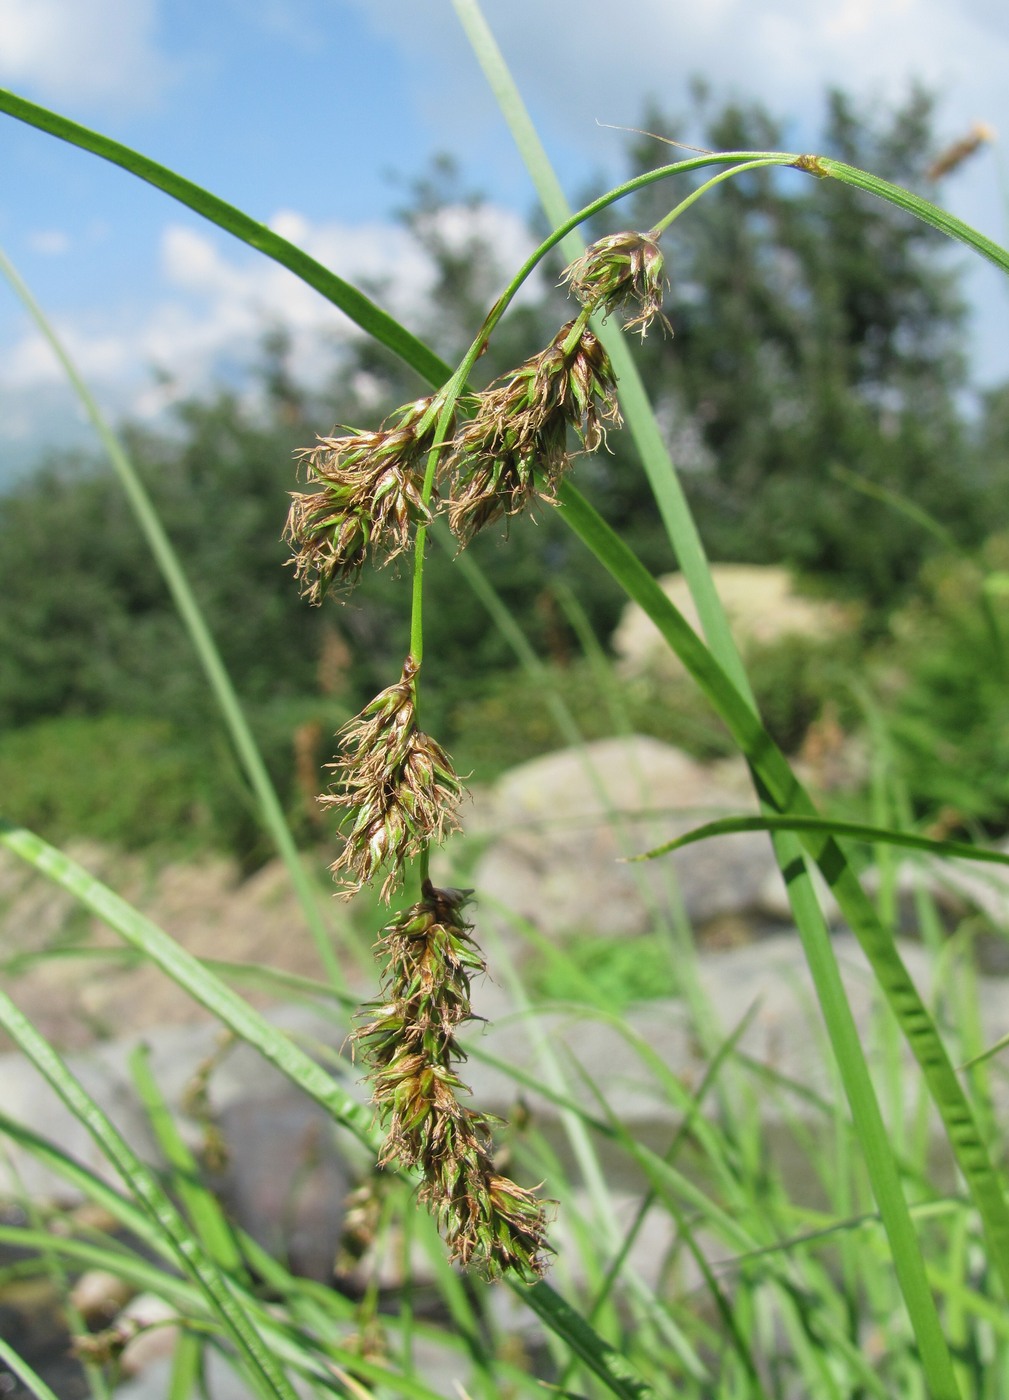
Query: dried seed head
<point x="370" y="497"/>
<point x="397" y="787"/>
<point x="515" y="449"/>
<point x="619" y="273"/>
<point x="410" y="1046"/>
<point x="954" y="156"/>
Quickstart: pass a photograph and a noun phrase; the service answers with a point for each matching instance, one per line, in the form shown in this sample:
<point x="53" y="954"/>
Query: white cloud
<point x="577" y="66"/>
<point x="49" y="242"/>
<point x="69" y="50"/>
<point x="216" y="300"/>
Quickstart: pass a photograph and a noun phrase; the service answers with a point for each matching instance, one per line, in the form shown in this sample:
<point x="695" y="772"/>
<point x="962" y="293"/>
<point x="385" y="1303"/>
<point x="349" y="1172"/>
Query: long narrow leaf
<point x="204" y="1212"/>
<point x="29" y="1378"/>
<point x="922" y="209"/>
<point x="358" y="307"/>
<point x="603" y="1360"/>
<point x="633" y="397"/>
<point x="829" y="826"/>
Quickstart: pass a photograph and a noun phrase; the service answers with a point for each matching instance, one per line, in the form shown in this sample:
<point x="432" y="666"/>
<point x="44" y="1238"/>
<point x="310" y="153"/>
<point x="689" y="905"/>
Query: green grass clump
<point x="612" y="973"/>
<point x="118" y="778"/>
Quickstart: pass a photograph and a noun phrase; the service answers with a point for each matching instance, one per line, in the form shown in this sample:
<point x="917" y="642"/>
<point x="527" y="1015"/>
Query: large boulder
<point x="760" y="601"/>
<point x="562" y="826"/>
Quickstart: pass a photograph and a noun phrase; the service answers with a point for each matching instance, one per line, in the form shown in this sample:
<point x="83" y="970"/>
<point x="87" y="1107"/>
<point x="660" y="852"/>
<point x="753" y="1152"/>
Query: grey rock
<point x="285" y="1181"/>
<point x="760" y="601"/>
<point x="566" y="823"/>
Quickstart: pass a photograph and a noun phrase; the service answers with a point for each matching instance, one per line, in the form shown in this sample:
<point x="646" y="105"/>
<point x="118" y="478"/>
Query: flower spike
<point x="371" y="498"/>
<point x="410" y="1046"/>
<point x="515" y="449"/>
<point x="397" y="787"/>
<point x="619" y="273"/>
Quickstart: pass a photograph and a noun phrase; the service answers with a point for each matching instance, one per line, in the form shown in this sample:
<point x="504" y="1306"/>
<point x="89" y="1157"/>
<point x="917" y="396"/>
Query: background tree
<point x="817" y="329"/>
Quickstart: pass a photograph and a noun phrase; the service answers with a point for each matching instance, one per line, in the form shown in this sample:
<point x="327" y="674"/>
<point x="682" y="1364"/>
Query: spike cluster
<point x="622" y="272"/>
<point x="397" y="787"/>
<point x="515" y="449"/>
<point x="370" y="498"/>
<point x="410" y="1045"/>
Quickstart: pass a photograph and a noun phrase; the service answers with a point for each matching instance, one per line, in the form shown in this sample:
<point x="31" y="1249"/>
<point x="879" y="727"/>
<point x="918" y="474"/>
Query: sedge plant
<point x="470" y="461"/>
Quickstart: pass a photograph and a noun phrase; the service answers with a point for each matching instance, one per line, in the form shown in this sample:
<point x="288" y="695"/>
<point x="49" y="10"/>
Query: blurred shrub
<point x="115" y="778"/>
<point x="137" y="782"/>
<point x="509" y="719"/>
<point x="944" y="683"/>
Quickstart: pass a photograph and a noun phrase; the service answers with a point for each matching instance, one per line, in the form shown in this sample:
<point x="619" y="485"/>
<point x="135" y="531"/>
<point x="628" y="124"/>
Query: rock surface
<point x="75" y="1000"/>
<point x="563" y="826"/>
<point x="762" y="607"/>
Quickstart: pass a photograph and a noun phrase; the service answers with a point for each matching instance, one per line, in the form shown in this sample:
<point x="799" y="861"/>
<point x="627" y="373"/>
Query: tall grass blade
<point x="634" y="400"/>
<point x="205" y="1214"/>
<point x="604" y="1361"/>
<point x="199" y="633"/>
<point x="732" y="682"/>
<point x="183" y="1383"/>
<point x="28" y="1378"/>
<point x="263" y="1371"/>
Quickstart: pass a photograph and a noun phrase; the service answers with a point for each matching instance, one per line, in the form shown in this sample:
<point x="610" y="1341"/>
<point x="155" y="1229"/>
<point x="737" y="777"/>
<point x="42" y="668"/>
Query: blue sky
<point x="303" y="111"/>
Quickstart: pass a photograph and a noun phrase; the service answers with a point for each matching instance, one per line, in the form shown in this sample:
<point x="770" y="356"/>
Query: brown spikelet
<point x="396" y="786"/>
<point x="960" y="151"/>
<point x="411" y="1049"/>
<point x="370" y="498"/>
<point x="625" y="273"/>
<point x="515" y="449"/>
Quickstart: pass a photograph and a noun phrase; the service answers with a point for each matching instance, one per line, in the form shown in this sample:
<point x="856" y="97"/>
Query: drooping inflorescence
<point x="370" y="498"/>
<point x="410" y="1045"/>
<point x="515" y="448"/>
<point x="624" y="272"/>
<point x="395" y="785"/>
